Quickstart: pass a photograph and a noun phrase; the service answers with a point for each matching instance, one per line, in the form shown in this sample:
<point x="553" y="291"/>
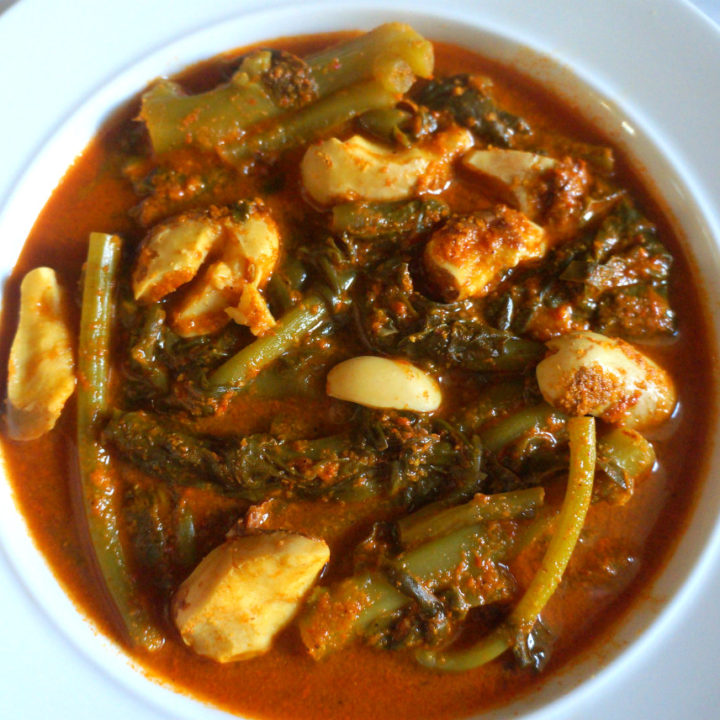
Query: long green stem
<point x="314" y="119"/>
<point x="569" y="525"/>
<point x="247" y="363"/>
<point x="97" y="484"/>
<point x="386" y="59"/>
<point x="414" y="530"/>
<point x="367" y="55"/>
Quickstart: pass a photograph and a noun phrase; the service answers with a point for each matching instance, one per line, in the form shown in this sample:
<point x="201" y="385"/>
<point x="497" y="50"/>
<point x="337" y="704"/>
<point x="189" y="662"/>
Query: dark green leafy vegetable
<point x="613" y="280"/>
<point x="467" y="100"/>
<point x="396" y="319"/>
<point x="388" y="613"/>
<point x="403" y="457"/>
<point x="404" y="125"/>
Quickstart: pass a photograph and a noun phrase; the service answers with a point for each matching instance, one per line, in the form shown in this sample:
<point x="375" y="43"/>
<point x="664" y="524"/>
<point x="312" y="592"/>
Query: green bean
<point x="569" y="524"/>
<point x="481" y="508"/>
<point x="509" y="429"/>
<point x="98" y="489"/>
<point x="248" y="362"/>
<point x="562" y="544"/>
<point x="367" y="55"/>
<point x="625" y="455"/>
<point x="311" y="121"/>
<point x="372" y="219"/>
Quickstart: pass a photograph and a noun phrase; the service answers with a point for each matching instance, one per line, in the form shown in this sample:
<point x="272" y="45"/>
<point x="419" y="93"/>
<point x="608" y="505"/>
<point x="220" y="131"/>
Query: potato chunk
<point x="384" y="383"/>
<point x="249" y="252"/>
<point x="334" y="171"/>
<point x="171" y="255"/>
<point x="589" y="374"/>
<point x="469" y="255"/>
<point x="245" y="591"/>
<point x="41" y="369"/>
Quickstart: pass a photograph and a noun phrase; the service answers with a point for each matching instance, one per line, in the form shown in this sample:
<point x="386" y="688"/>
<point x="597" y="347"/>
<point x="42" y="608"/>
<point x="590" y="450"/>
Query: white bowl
<point x="653" y="103"/>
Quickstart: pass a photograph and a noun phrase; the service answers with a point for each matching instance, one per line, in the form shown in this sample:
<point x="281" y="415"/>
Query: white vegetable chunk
<point x="250" y="250"/>
<point x="334" y="171"/>
<point x="41" y="368"/>
<point x="590" y="374"/>
<point x="514" y="172"/>
<point x="245" y="591"/>
<point x="384" y="383"/>
<point x="172" y="254"/>
<point x="469" y="254"/>
<point x="253" y="311"/>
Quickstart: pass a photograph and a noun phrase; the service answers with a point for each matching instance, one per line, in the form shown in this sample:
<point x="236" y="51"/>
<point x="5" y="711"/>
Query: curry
<point x="352" y="378"/>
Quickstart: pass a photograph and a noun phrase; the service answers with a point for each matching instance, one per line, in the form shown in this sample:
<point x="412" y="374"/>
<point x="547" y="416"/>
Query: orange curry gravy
<point x="362" y="682"/>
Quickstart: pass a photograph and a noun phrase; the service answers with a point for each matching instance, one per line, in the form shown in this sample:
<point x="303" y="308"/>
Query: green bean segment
<point x="96" y="478"/>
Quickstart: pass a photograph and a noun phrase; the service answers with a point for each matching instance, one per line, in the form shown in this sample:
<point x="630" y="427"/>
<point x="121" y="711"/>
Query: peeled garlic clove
<point x="384" y="383"/>
<point x="591" y="374"/>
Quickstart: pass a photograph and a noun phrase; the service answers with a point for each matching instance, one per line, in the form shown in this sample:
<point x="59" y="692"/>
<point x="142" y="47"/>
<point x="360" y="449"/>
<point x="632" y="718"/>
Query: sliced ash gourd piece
<point x="245" y="591"/>
<point x="335" y="171"/>
<point x="469" y="254"/>
<point x="41" y="368"/>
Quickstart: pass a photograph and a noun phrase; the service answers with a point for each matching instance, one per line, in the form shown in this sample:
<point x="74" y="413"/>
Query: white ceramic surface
<point x="665" y="93"/>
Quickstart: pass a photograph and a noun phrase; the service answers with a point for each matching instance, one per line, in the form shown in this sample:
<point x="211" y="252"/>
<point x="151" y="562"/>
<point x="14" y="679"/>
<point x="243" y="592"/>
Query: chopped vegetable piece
<point x="289" y="330"/>
<point x="245" y="591"/>
<point x="338" y="614"/>
<point x="626" y="458"/>
<point x="335" y="171"/>
<point x="373" y="219"/>
<point x="269" y="83"/>
<point x="348" y="62"/>
<point x="317" y="119"/>
<point x="96" y="475"/>
<point x="422" y="527"/>
<point x="41" y="367"/>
